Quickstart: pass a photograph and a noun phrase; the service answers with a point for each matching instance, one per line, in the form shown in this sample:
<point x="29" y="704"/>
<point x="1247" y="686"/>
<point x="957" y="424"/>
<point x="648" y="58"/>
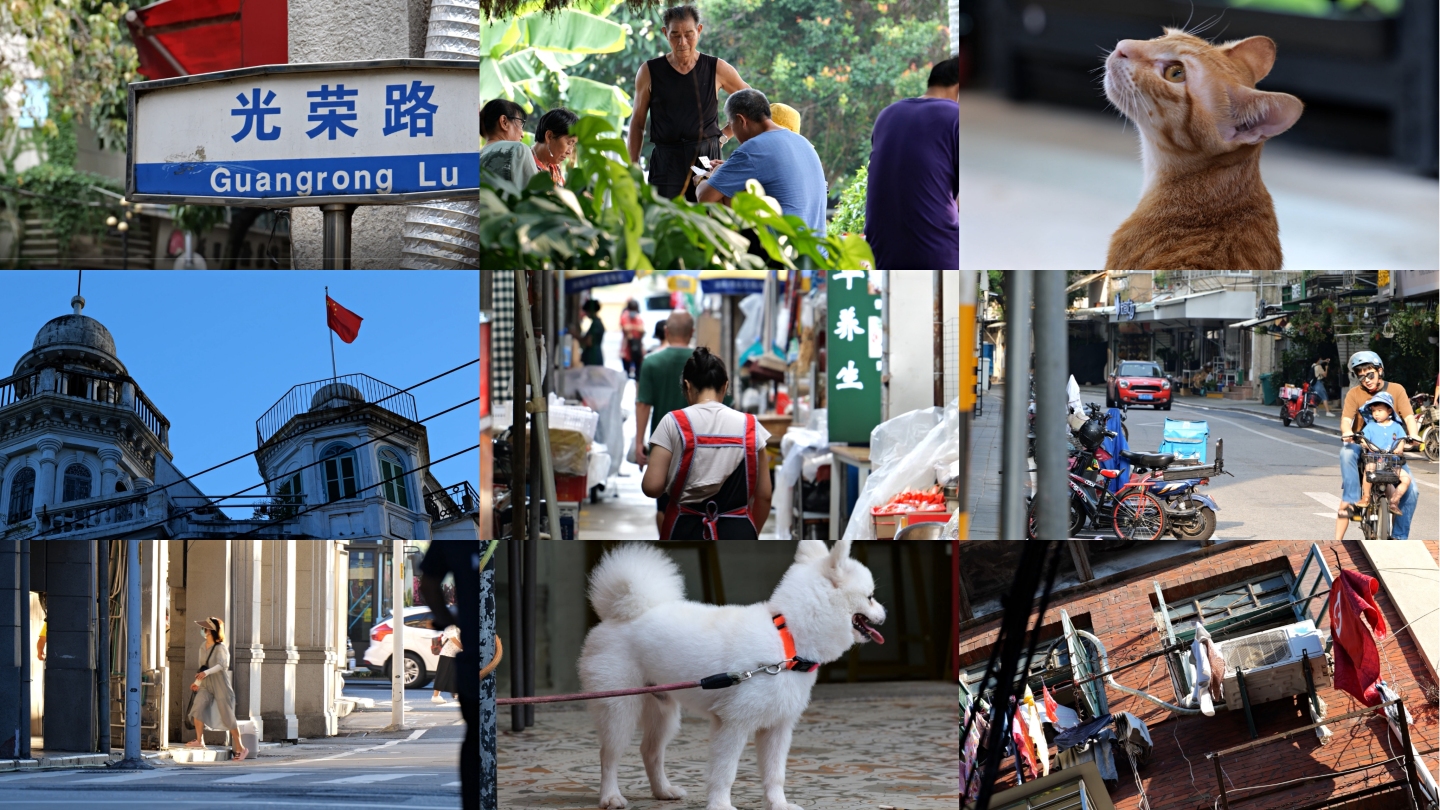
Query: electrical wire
<point x="308" y="510"/>
<point x="300" y="433"/>
<point x="210" y="504"/>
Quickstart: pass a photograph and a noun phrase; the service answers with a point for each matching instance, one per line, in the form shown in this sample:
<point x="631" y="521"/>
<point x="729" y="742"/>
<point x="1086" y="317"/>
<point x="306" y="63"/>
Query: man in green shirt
<point x="659" y="389"/>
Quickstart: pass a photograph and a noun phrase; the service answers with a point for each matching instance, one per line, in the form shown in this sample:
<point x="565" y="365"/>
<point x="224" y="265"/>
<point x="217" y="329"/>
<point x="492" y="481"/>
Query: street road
<point x="1286" y="481"/>
<point x="413" y="768"/>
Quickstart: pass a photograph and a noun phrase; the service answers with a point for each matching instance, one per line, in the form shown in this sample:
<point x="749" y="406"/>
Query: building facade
<point x="85" y="465"/>
<point x="1134" y="602"/>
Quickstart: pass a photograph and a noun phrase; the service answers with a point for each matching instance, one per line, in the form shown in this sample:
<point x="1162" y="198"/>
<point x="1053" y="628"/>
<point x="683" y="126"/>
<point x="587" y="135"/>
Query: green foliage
<point x="83" y="51"/>
<point x="838" y="62"/>
<point x="197" y="219"/>
<point x="66" y="198"/>
<point x="63" y="146"/>
<point x="527" y="59"/>
<point x="1410" y="358"/>
<point x="850" y="213"/>
<point x="1312" y="335"/>
<point x="609" y="217"/>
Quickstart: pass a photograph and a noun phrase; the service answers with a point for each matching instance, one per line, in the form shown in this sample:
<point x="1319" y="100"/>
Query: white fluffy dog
<point x="649" y="634"/>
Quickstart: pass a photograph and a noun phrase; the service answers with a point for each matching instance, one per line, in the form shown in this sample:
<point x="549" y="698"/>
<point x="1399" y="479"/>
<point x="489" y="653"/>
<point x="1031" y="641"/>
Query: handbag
<point x="191" y="702"/>
<point x="436" y="643"/>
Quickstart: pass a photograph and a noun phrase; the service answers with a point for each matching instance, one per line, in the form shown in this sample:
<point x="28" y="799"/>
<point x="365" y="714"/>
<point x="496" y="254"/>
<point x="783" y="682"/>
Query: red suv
<point x="1138" y="382"/>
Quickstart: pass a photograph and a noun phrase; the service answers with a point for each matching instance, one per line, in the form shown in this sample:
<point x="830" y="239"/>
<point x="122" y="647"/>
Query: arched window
<point x="22" y="495"/>
<point x="339" y="466"/>
<point x="392" y="473"/>
<point x="77" y="483"/>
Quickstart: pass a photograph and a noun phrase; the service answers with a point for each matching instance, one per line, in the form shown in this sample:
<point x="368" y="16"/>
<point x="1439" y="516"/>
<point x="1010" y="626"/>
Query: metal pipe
<point x="336" y="236"/>
<point x="967" y="384"/>
<point x="102" y="675"/>
<point x="488" y="792"/>
<point x="537" y="406"/>
<point x="937" y="357"/>
<point x="1051" y="359"/>
<point x="517" y="629"/>
<point x="528" y="640"/>
<point x="1014" y="474"/>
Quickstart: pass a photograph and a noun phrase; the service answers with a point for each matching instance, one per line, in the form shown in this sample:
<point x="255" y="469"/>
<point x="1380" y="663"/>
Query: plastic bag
<point x="952" y="529"/>
<point x="795" y="446"/>
<point x="603" y="390"/>
<point x="903" y="455"/>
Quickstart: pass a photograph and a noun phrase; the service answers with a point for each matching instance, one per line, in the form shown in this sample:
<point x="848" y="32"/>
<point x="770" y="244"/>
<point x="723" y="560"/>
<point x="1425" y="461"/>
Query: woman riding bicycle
<point x="1369" y="370"/>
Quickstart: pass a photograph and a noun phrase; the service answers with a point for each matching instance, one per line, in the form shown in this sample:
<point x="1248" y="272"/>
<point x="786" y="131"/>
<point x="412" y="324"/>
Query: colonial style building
<point x="85" y="464"/>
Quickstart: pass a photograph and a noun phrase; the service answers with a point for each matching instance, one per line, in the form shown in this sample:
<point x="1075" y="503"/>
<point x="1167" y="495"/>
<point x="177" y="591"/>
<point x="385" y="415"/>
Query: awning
<point x="581" y="280"/>
<point x="1084" y="281"/>
<point x="1258" y="321"/>
<point x="736" y="282"/>
<point x="186" y="37"/>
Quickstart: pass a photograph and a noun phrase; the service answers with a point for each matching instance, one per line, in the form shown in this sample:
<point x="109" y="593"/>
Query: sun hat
<point x="1382" y="398"/>
<point x="786" y="116"/>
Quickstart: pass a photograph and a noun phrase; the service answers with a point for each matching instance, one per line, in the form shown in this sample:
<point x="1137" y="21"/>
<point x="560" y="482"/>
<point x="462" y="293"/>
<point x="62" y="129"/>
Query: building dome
<point x="73" y="337"/>
<point x="336" y="395"/>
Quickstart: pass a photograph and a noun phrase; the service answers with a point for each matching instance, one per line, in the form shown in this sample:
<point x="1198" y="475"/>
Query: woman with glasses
<point x="504" y="157"/>
<point x="1369" y="370"/>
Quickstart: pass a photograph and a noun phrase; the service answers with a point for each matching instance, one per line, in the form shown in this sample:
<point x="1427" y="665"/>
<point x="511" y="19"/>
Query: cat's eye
<point x="1175" y="72"/>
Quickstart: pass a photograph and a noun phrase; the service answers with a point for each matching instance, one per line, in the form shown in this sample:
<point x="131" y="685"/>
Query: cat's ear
<point x="1257" y="115"/>
<point x="1257" y="54"/>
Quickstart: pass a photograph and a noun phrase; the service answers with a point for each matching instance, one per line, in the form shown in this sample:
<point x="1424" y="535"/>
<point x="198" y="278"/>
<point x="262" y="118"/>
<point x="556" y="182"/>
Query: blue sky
<point x="214" y="350"/>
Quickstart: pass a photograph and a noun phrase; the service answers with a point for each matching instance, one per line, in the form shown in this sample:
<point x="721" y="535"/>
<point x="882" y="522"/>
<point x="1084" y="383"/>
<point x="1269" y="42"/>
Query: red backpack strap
<point x="687" y="454"/>
<point x="752" y="469"/>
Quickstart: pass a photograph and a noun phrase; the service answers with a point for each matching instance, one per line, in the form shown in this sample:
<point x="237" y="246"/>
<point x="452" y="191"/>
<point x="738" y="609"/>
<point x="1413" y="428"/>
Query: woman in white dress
<point x="214" y="705"/>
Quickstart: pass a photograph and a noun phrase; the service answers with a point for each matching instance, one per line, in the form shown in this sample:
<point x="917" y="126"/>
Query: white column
<point x="109" y="471"/>
<point x="246" y="646"/>
<point x="45" y="482"/>
<point x="397" y="655"/>
<point x="314" y="617"/>
<point x="278" y="601"/>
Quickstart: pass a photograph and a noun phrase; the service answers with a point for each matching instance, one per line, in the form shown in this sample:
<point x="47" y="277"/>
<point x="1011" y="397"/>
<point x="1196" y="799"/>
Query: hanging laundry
<point x="1209" y="672"/>
<point x="1025" y="752"/>
<point x="1357" y="661"/>
<point x="1035" y="731"/>
<point x="1050" y="705"/>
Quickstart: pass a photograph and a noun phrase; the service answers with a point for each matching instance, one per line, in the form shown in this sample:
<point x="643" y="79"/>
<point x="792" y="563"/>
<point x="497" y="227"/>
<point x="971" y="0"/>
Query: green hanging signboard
<point x="854" y="341"/>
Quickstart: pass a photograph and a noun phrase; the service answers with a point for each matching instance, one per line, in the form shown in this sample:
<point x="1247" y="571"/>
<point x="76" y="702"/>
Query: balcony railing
<point x="451" y="502"/>
<point x="76" y="517"/>
<point x="88" y="385"/>
<point x="299" y="399"/>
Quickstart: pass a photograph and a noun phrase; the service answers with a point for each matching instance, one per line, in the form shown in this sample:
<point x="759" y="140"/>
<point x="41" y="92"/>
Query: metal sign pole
<point x="397" y="652"/>
<point x="133" y="698"/>
<point x="337" y="236"/>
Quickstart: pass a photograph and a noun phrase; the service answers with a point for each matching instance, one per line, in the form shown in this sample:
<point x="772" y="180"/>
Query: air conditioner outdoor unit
<point x="1273" y="663"/>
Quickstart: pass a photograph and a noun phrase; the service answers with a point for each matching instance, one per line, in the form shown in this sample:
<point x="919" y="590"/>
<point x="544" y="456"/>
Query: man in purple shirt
<point x="912" y="211"/>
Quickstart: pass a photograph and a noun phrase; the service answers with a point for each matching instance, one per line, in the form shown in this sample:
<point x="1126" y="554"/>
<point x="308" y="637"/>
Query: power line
<point x="193" y="509"/>
<point x="362" y="489"/>
<point x="300" y="433"/>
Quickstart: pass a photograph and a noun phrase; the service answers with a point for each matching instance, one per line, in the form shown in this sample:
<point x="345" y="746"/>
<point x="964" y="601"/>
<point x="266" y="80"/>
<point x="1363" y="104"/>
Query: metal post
<point x="517" y="627"/>
<point x="132" y="759"/>
<point x="22" y="743"/>
<point x="397" y="652"/>
<point x="968" y="360"/>
<point x="1051" y="359"/>
<point x="528" y="600"/>
<point x="1411" y="778"/>
<point x="1220" y="780"/>
<point x="336" y="232"/>
<point x="1245" y="700"/>
<point x="102" y="674"/>
<point x="537" y="406"/>
<point x="519" y="454"/>
<point x="938" y="326"/>
<point x="1017" y="377"/>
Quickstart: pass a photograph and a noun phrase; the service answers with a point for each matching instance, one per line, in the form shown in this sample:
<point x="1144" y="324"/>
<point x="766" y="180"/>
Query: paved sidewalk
<point x="985" y="442"/>
<point x="858" y="746"/>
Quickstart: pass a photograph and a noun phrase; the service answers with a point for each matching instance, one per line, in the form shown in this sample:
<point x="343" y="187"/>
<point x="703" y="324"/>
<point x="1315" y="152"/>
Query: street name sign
<point x="379" y="132"/>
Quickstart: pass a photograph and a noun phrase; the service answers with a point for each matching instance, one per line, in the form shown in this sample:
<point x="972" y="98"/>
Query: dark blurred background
<point x="1366" y="69"/>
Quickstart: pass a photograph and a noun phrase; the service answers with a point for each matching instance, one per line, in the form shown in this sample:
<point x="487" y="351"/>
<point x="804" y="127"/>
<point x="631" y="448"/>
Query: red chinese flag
<point x="1050" y="705"/>
<point x="345" y="323"/>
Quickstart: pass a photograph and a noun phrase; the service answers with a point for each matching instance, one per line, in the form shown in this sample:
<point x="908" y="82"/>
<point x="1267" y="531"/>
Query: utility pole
<point x="397" y="652"/>
<point x="1015" y="474"/>
<point x="1051" y="352"/>
<point x="133" y="695"/>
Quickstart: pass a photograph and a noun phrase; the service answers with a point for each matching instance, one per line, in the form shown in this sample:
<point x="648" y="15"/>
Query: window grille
<point x="22" y="495"/>
<point x="77" y="483"/>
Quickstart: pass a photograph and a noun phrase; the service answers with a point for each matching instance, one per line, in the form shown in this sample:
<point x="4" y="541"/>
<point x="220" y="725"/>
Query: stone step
<point x="182" y="754"/>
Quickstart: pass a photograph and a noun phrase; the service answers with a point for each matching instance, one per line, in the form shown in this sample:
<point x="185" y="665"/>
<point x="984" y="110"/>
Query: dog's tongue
<point x="873" y="633"/>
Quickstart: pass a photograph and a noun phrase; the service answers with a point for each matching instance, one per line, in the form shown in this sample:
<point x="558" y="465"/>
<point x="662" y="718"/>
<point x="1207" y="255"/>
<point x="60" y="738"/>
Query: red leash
<point x="719" y="681"/>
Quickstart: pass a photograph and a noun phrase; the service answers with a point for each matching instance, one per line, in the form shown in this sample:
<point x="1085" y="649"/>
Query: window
<point x="421" y="620"/>
<point x="1052" y="666"/>
<point x="22" y="495"/>
<point x="77" y="483"/>
<point x="339" y="469"/>
<point x="392" y="474"/>
<point x="289" y="497"/>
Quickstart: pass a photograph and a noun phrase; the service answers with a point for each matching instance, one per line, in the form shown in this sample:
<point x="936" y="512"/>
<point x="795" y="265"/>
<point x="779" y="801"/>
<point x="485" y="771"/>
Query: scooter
<point x="1299" y="407"/>
<point x="1425" y="412"/>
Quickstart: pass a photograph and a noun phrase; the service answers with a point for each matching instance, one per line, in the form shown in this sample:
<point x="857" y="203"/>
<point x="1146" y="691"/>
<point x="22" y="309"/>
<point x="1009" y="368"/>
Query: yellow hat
<point x="786" y="116"/>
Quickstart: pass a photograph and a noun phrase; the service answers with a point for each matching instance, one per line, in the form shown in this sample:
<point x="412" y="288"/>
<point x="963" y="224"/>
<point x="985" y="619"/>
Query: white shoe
<point x="436" y="699"/>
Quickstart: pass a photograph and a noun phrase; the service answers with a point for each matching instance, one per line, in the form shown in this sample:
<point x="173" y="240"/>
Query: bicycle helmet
<point x="1091" y="434"/>
<point x="1365" y="358"/>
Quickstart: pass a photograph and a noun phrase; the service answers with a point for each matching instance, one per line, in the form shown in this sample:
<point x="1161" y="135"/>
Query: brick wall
<point x="1121" y="616"/>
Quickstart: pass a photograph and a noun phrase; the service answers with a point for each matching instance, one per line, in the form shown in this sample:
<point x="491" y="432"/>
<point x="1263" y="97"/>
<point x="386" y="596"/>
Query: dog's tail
<point x="631" y="579"/>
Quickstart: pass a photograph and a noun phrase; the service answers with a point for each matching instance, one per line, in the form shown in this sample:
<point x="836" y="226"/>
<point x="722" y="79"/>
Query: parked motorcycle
<point x="1190" y="514"/>
<point x="1299" y="407"/>
<point x="1427" y="414"/>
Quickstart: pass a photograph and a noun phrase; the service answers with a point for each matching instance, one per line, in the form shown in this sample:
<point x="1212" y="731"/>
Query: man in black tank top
<point x="681" y="90"/>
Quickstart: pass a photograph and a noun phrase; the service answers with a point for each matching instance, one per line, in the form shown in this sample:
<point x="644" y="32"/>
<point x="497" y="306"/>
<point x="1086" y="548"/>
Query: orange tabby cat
<point x="1202" y="124"/>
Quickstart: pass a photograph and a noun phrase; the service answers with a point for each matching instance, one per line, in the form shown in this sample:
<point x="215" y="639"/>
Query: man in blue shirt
<point x="784" y="162"/>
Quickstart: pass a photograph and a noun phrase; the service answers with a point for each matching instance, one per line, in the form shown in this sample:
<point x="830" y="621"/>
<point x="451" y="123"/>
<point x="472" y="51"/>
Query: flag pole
<point x="333" y="374"/>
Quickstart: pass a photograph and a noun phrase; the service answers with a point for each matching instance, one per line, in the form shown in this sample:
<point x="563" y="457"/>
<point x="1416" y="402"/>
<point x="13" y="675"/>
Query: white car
<point x="420" y="663"/>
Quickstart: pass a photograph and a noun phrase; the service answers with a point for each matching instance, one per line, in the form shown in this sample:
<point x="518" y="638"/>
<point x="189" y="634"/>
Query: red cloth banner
<point x="1357" y="659"/>
<point x="345" y="323"/>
